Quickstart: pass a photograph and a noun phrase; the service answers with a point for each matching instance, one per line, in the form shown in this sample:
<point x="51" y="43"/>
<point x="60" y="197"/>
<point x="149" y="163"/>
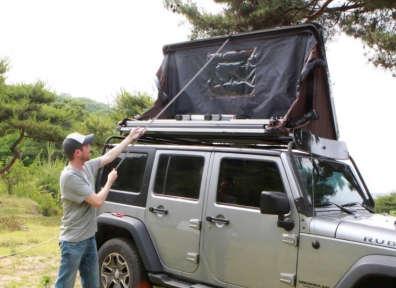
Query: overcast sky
<point x="93" y="48"/>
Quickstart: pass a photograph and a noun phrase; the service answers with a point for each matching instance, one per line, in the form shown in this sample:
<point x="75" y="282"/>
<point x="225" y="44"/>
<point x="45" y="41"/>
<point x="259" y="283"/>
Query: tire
<point x="374" y="282"/>
<point x="120" y="265"/>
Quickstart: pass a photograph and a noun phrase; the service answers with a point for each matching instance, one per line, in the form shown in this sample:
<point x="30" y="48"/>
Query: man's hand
<point x="112" y="176"/>
<point x="113" y="153"/>
<point x="135" y="133"/>
<point x="96" y="199"/>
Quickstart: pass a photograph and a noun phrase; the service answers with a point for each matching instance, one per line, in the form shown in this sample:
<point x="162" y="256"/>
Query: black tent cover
<point x="279" y="73"/>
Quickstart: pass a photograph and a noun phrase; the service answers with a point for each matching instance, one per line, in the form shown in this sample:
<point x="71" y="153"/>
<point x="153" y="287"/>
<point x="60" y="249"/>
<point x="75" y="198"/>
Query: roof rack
<point x="194" y="129"/>
<point x="226" y="130"/>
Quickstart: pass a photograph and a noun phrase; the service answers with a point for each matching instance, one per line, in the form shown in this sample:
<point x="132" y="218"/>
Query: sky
<point x="95" y="48"/>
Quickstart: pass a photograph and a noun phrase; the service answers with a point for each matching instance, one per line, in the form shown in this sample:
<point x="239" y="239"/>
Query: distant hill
<point x="89" y="104"/>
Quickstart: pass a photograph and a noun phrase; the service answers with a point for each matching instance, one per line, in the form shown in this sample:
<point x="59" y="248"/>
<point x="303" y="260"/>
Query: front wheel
<point x="120" y="265"/>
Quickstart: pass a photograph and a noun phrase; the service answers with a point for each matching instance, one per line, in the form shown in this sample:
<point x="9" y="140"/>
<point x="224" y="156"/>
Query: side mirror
<point x="274" y="203"/>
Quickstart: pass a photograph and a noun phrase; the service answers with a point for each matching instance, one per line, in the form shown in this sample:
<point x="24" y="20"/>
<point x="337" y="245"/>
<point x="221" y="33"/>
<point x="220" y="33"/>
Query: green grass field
<point x="34" y="239"/>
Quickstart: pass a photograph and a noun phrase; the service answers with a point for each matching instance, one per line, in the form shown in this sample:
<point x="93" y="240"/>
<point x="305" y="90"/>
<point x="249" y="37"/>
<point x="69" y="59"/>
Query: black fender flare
<point x="140" y="236"/>
<point x="372" y="265"/>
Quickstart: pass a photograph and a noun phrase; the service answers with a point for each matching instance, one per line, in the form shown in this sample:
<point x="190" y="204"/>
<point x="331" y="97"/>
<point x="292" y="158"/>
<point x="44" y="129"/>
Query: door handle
<point x="217" y="220"/>
<point x="158" y="210"/>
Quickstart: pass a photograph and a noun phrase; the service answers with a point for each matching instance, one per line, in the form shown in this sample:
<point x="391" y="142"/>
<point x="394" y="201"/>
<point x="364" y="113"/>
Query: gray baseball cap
<point x="75" y="141"/>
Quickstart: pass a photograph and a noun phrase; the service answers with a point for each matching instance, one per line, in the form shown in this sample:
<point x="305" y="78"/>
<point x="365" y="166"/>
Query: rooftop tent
<point x="279" y="74"/>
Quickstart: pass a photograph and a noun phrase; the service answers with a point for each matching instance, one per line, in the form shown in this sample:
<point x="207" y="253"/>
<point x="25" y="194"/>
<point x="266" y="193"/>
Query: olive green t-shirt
<point x="79" y="218"/>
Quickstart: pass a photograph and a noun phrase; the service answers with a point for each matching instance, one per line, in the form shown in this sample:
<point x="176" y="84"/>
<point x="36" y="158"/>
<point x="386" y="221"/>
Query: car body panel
<point x="236" y="253"/>
<point x="175" y="240"/>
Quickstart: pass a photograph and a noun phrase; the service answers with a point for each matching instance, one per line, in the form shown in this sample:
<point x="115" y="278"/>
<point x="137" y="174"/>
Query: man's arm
<point x="97" y="200"/>
<point x="114" y="152"/>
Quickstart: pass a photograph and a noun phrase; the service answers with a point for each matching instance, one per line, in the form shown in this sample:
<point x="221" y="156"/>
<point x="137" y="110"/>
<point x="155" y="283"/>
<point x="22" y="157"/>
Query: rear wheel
<point x="120" y="265"/>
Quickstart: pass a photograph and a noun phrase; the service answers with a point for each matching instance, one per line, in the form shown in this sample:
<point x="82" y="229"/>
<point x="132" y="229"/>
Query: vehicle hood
<point x="373" y="229"/>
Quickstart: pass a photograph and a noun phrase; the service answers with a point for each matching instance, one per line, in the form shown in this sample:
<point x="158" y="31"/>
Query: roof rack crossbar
<point x="206" y="131"/>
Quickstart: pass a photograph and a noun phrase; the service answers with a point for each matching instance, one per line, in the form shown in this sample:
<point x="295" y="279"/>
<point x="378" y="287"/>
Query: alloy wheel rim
<point x="115" y="272"/>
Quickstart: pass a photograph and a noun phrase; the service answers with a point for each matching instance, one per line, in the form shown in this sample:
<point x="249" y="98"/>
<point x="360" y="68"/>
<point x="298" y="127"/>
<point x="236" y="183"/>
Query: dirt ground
<point x="34" y="240"/>
<point x="39" y="269"/>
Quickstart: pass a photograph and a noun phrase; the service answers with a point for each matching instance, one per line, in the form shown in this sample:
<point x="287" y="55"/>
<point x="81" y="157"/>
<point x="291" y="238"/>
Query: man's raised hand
<point x="136" y="133"/>
<point x="112" y="176"/>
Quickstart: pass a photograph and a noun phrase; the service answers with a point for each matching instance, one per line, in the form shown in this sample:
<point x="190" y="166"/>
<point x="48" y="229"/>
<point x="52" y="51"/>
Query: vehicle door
<point x="174" y="207"/>
<point x="242" y="246"/>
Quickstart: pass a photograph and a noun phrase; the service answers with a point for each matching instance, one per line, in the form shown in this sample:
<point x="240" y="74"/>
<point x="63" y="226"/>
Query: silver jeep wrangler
<point x="215" y="200"/>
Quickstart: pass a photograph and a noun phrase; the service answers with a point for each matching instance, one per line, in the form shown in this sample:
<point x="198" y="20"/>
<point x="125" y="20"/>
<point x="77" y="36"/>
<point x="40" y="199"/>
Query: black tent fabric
<point x="258" y="75"/>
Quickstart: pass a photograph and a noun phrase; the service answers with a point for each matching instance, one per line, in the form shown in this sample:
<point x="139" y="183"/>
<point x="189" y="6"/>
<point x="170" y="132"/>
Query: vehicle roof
<point x="263" y="149"/>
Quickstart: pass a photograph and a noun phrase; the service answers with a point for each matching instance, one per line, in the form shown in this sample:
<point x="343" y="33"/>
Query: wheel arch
<point x="372" y="266"/>
<point x="110" y="226"/>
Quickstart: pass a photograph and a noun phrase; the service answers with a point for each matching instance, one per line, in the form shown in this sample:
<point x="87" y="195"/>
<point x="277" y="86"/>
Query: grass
<point x="34" y="239"/>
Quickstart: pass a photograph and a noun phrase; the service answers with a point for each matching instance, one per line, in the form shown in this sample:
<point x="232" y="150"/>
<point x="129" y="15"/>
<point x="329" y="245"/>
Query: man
<point x="79" y="200"/>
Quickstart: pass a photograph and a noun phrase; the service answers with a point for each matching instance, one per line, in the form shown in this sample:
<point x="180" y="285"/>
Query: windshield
<point x="328" y="182"/>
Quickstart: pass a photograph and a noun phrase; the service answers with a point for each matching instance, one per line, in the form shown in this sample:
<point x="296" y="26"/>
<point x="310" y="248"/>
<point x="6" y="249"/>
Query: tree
<point x="100" y="124"/>
<point x="131" y="105"/>
<point x="386" y="204"/>
<point x="374" y="22"/>
<point x="28" y="110"/>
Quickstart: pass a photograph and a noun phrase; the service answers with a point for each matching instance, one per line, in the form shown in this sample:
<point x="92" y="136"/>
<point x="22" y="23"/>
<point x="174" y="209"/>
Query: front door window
<point x="241" y="181"/>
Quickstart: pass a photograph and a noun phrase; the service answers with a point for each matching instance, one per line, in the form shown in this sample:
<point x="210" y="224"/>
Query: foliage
<point x="45" y="281"/>
<point x="33" y="124"/>
<point x="374" y="22"/>
<point x="386" y="204"/>
<point x="88" y="105"/>
<point x="38" y="181"/>
<point x="27" y="110"/>
<point x="129" y="105"/>
<point x="101" y="125"/>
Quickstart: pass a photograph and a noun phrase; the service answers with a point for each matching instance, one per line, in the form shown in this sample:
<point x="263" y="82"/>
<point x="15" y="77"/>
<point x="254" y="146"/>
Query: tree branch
<point x="15" y="151"/>
<point x="344" y="8"/>
<point x="313" y="3"/>
<point x="326" y="9"/>
<point x="320" y="11"/>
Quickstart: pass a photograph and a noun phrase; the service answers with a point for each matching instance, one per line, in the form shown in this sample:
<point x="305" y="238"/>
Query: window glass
<point x="179" y="175"/>
<point x="130" y="172"/>
<point x="328" y="182"/>
<point x="241" y="181"/>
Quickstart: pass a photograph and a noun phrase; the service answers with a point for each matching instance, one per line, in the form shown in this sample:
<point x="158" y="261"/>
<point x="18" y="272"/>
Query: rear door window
<point x="179" y="176"/>
<point x="130" y="172"/>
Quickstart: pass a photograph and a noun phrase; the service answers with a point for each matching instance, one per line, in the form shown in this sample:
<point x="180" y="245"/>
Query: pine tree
<point x="28" y="110"/>
<point x="374" y="22"/>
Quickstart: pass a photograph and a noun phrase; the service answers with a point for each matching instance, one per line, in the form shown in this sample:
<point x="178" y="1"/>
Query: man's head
<point x="77" y="146"/>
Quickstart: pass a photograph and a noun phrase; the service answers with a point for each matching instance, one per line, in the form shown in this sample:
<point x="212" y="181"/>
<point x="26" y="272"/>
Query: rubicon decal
<point x="378" y="241"/>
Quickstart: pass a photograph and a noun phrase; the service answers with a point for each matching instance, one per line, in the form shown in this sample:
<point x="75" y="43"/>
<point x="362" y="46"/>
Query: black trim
<point x="166" y="281"/>
<point x="173" y="281"/>
<point x="138" y="233"/>
<point x="108" y="140"/>
<point x="302" y="204"/>
<point x="372" y="265"/>
<point x="130" y="198"/>
<point x="100" y="172"/>
<point x="371" y="202"/>
<point x="314" y="29"/>
<point x="303" y="207"/>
